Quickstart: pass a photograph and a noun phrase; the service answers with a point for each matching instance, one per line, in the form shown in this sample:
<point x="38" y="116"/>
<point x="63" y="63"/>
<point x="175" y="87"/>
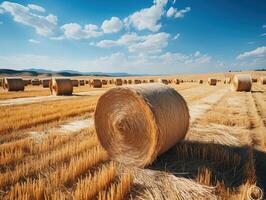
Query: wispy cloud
<point x="258" y="52"/>
<point x="263" y="34"/>
<point x="34" y="41"/>
<point x="36" y="8"/>
<point x="173" y="12"/>
<point x="176" y="36"/>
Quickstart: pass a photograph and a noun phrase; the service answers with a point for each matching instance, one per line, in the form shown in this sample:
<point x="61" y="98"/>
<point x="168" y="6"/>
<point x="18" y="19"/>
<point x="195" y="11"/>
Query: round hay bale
<point x="46" y="83"/>
<point x="144" y="81"/>
<point x="201" y="81"/>
<point x="25" y="82"/>
<point x="181" y="81"/>
<point x="228" y="80"/>
<point x="118" y="82"/>
<point x="13" y="84"/>
<point x="61" y="86"/>
<point x="151" y="81"/>
<point x="212" y="81"/>
<point x="263" y="80"/>
<point x="136" y="81"/>
<point x="242" y="82"/>
<point x="137" y="123"/>
<point x="96" y="83"/>
<point x="125" y="81"/>
<point x="104" y="82"/>
<point x="254" y="80"/>
<point x="75" y="82"/>
<point x="87" y="82"/>
<point x="164" y="81"/>
<point x="1" y="82"/>
<point x="82" y="82"/>
<point x="129" y="81"/>
<point x="35" y="82"/>
<point x="176" y="81"/>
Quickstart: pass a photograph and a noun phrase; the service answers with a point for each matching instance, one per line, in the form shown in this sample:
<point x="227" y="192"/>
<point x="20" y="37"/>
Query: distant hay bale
<point x="96" y="83"/>
<point x="164" y="81"/>
<point x="137" y="123"/>
<point x="13" y="84"/>
<point x="110" y="82"/>
<point x="82" y="82"/>
<point x="104" y="82"/>
<point x="118" y="82"/>
<point x="87" y="81"/>
<point x="212" y="81"/>
<point x="1" y="82"/>
<point x="228" y="80"/>
<point x="254" y="80"/>
<point x="241" y="82"/>
<point x="61" y="86"/>
<point x="176" y="81"/>
<point x="263" y="80"/>
<point x="151" y="80"/>
<point x="129" y="81"/>
<point x="46" y="83"/>
<point x="136" y="81"/>
<point x="25" y="82"/>
<point x="181" y="81"/>
<point x="35" y="82"/>
<point x="201" y="81"/>
<point x="144" y="81"/>
<point x="125" y="81"/>
<point x="75" y="82"/>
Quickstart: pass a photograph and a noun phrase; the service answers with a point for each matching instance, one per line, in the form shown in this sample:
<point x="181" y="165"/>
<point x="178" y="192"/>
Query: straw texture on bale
<point x="212" y="81"/>
<point x="104" y="82"/>
<point x="118" y="82"/>
<point x="75" y="82"/>
<point x="46" y="83"/>
<point x="61" y="86"/>
<point x="263" y="80"/>
<point x="81" y="82"/>
<point x="242" y="82"/>
<point x="13" y="84"/>
<point x="35" y="82"/>
<point x="164" y="81"/>
<point x="96" y="83"/>
<point x="136" y="81"/>
<point x="137" y="123"/>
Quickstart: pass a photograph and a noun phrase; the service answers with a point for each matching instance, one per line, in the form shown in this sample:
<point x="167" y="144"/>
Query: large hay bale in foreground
<point x="46" y="83"/>
<point x="263" y="80"/>
<point x="137" y="123"/>
<point x="212" y="81"/>
<point x="164" y="81"/>
<point x="35" y="82"/>
<point x="118" y="82"/>
<point x="96" y="83"/>
<point x="82" y="82"/>
<point x="75" y="82"/>
<point x="13" y="84"/>
<point x="61" y="86"/>
<point x="242" y="82"/>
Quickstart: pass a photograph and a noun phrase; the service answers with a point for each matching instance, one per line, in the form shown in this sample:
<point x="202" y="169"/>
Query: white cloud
<point x="43" y="25"/>
<point x="263" y="34"/>
<point x="34" y="41"/>
<point x="147" y="18"/>
<point x="197" y="53"/>
<point x="1" y="10"/>
<point x="258" y="52"/>
<point x="36" y="8"/>
<point x="176" y="36"/>
<point x="148" y="44"/>
<point x="76" y="32"/>
<point x="173" y="12"/>
<point x="113" y="25"/>
<point x="264" y="26"/>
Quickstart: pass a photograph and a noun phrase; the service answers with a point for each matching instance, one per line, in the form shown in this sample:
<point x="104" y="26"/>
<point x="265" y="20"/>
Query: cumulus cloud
<point x="258" y="52"/>
<point x="34" y="41"/>
<point x="173" y="12"/>
<point x="147" y="44"/>
<point x="147" y="18"/>
<point x="113" y="25"/>
<point x="36" y="8"/>
<point x="43" y="25"/>
<point x="76" y="32"/>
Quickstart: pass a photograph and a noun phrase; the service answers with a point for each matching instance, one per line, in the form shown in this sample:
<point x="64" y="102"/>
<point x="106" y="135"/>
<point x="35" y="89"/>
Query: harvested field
<point x="49" y="148"/>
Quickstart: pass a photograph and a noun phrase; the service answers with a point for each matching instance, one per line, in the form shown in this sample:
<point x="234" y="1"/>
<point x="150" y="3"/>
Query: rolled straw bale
<point x="1" y="82"/>
<point x="110" y="82"/>
<point x="137" y="123"/>
<point x="242" y="82"/>
<point x="228" y="80"/>
<point x="176" y="81"/>
<point x="25" y="82"/>
<point x="104" y="82"/>
<point x="81" y="82"/>
<point x="13" y="84"/>
<point x="144" y="81"/>
<point x="46" y="83"/>
<point x="164" y="81"/>
<point x="87" y="82"/>
<point x="75" y="82"/>
<point x="254" y="80"/>
<point x="151" y="80"/>
<point x="61" y="86"/>
<point x="118" y="82"/>
<point x="136" y="81"/>
<point x="35" y="82"/>
<point x="129" y="81"/>
<point x="181" y="81"/>
<point x="201" y="81"/>
<point x="212" y="81"/>
<point x="125" y="81"/>
<point x="263" y="80"/>
<point x="96" y="83"/>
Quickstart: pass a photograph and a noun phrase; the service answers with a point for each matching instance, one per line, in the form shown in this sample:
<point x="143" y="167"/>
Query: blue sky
<point x="154" y="37"/>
